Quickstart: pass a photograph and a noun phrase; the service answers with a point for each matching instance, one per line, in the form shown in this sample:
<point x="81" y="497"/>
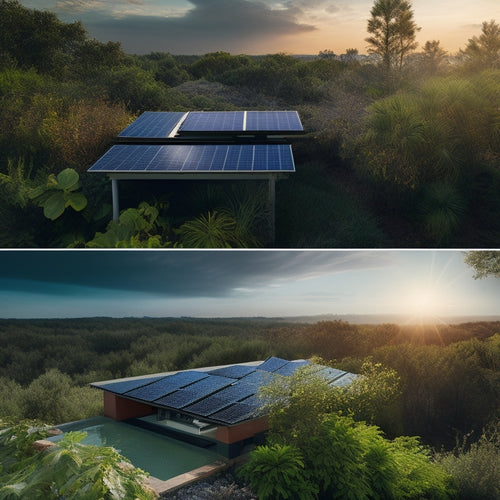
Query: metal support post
<point x="116" y="202"/>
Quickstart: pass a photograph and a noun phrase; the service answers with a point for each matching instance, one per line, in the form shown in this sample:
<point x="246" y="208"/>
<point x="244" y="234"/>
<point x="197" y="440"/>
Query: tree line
<point x="448" y="373"/>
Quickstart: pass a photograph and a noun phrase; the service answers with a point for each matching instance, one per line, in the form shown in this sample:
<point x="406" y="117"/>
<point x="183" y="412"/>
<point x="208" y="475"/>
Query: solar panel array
<point x="168" y="124"/>
<point x="196" y="158"/>
<point x="226" y="395"/>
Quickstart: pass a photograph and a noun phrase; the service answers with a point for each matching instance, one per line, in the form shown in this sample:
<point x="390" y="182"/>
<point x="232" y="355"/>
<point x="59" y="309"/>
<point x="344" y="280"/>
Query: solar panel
<point x="194" y="392"/>
<point x="166" y="385"/>
<point x="153" y="125"/>
<point x="344" y="380"/>
<point x="235" y="371"/>
<point x="213" y="121"/>
<point x="196" y="158"/>
<point x="331" y="374"/>
<point x="272" y="364"/>
<point x="273" y="121"/>
<point x="127" y="385"/>
<point x="257" y="378"/>
<point x="236" y="413"/>
<point x="291" y="367"/>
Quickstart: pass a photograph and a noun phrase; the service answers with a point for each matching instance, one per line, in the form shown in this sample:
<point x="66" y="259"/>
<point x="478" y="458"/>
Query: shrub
<point x="277" y="472"/>
<point x="476" y="467"/>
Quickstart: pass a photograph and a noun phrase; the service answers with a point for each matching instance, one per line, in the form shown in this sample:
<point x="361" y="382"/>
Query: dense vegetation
<point x="406" y="159"/>
<point x="437" y="382"/>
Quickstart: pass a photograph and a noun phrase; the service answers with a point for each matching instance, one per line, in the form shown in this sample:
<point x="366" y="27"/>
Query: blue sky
<point x="260" y="26"/>
<point x="241" y="283"/>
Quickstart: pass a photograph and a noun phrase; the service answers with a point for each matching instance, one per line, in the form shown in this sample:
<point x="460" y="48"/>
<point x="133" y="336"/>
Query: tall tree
<point x="433" y="56"/>
<point x="484" y="51"/>
<point x="485" y="263"/>
<point x="393" y="32"/>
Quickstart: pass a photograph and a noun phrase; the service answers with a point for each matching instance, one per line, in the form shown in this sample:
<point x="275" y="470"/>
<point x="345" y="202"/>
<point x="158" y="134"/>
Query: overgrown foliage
<point x="341" y="457"/>
<point x="68" y="470"/>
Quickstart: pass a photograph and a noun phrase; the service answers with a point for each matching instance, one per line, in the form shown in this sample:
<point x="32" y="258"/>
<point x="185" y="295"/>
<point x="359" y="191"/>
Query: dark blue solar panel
<point x="153" y="125"/>
<point x="235" y="371"/>
<point x="273" y="121"/>
<point x="196" y="158"/>
<point x="127" y="385"/>
<point x="166" y="385"/>
<point x="289" y="368"/>
<point x="272" y="364"/>
<point x="213" y="121"/>
<point x="208" y="405"/>
<point x="257" y="378"/>
<point x="194" y="392"/>
<point x="236" y="413"/>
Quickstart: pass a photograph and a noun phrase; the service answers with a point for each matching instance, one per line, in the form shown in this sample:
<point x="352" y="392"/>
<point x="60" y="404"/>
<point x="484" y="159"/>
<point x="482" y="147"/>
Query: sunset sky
<point x="437" y="284"/>
<point x="260" y="26"/>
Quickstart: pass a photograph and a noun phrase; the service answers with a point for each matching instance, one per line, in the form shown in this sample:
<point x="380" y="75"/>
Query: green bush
<point x="68" y="470"/>
<point x="277" y="472"/>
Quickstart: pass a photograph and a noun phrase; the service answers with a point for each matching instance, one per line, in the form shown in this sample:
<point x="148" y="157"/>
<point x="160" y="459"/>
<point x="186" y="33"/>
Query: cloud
<point x="86" y="5"/>
<point x="174" y="273"/>
<point x="208" y="26"/>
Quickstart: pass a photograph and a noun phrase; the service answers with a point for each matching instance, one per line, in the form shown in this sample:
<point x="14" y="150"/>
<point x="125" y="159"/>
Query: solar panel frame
<point x="196" y="158"/>
<point x="152" y="125"/>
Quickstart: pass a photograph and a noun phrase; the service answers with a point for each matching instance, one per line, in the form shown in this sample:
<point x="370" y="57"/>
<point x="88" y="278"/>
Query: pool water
<point x="163" y="457"/>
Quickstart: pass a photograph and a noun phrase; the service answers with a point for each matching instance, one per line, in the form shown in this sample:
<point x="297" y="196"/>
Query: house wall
<point x="119" y="408"/>
<point x="243" y="431"/>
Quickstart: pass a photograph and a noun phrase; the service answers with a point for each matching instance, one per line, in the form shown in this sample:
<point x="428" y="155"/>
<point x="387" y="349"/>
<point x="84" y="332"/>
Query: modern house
<point x="215" y="407"/>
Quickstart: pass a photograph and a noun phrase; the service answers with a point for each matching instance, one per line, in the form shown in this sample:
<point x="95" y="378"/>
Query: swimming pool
<point x="163" y="457"/>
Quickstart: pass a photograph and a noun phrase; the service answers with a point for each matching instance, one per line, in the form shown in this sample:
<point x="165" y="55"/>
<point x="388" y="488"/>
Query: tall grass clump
<point x="475" y="467"/>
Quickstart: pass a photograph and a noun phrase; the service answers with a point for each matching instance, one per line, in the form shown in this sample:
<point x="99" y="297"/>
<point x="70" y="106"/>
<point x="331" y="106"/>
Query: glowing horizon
<point x="257" y="27"/>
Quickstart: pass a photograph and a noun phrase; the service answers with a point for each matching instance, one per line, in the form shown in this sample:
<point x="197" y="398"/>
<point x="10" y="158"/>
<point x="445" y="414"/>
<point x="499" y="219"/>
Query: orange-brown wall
<point x="242" y="431"/>
<point x="119" y="408"/>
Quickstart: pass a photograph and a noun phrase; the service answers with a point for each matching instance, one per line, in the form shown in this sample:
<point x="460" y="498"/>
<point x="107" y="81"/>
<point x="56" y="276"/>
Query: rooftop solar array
<point x="226" y="395"/>
<point x="196" y="158"/>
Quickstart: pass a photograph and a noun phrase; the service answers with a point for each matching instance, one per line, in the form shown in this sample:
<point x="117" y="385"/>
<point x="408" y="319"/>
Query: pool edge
<point x="187" y="478"/>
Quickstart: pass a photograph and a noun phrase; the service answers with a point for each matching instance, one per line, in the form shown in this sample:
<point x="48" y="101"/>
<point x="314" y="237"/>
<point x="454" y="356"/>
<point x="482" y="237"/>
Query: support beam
<point x="116" y="201"/>
<point x="272" y="207"/>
